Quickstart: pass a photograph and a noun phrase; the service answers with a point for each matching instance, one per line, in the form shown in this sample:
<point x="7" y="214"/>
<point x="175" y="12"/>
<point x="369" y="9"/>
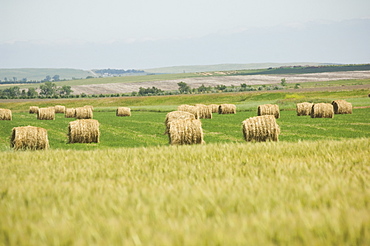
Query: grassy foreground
<point x="305" y="193"/>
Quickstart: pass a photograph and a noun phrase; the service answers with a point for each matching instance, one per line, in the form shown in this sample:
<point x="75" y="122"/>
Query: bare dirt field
<point x="219" y="80"/>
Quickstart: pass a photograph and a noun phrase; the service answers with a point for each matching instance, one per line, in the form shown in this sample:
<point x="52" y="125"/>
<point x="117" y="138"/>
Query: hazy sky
<point x="136" y="20"/>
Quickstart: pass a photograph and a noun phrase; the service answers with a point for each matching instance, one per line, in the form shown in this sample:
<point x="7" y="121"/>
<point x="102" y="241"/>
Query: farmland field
<point x="132" y="188"/>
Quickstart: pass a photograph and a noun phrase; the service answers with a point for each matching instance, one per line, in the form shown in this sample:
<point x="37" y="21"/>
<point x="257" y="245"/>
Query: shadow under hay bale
<point x="214" y="108"/>
<point x="59" y="109"/>
<point x="261" y="129"/>
<point x="304" y="108"/>
<point x="46" y="113"/>
<point x="185" y="131"/>
<point x="29" y="138"/>
<point x="204" y="111"/>
<point x="227" y="109"/>
<point x="123" y="111"/>
<point x="269" y="109"/>
<point x="33" y="110"/>
<point x="83" y="131"/>
<point x="342" y="107"/>
<point x="70" y="113"/>
<point x="322" y="110"/>
<point x="191" y="109"/>
<point x="84" y="113"/>
<point x="5" y="114"/>
<point x="177" y="115"/>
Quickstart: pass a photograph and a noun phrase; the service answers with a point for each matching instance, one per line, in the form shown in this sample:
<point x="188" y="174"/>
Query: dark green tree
<point x="48" y="89"/>
<point x="32" y="93"/>
<point x="183" y="87"/>
<point x="65" y="90"/>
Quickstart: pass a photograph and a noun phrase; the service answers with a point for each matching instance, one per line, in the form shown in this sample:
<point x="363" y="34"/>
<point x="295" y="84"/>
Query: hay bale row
<point x="261" y="129"/>
<point x="213" y="108"/>
<point x="204" y="111"/>
<point x="191" y="109"/>
<point x="227" y="109"/>
<point x="70" y="113"/>
<point x="123" y="111"/>
<point x="33" y="110"/>
<point x="176" y="115"/>
<point x="59" y="109"/>
<point x="5" y="114"/>
<point x="322" y="110"/>
<point x="185" y="131"/>
<point x="342" y="107"/>
<point x="46" y="113"/>
<point x="304" y="108"/>
<point x="83" y="131"/>
<point x="269" y="109"/>
<point x="29" y="138"/>
<point x="84" y="113"/>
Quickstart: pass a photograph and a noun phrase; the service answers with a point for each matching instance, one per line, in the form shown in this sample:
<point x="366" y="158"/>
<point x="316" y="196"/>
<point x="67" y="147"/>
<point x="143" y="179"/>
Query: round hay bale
<point x="342" y="107"/>
<point x="70" y="113"/>
<point x="83" y="131"/>
<point x="84" y="113"/>
<point x="5" y="114"/>
<point x="227" y="109"/>
<point x="176" y="115"/>
<point x="322" y="110"/>
<point x="185" y="131"/>
<point x="304" y="108"/>
<point x="269" y="109"/>
<point x="191" y="109"/>
<point x="261" y="129"/>
<point x="46" y="113"/>
<point x="214" y="108"/>
<point x="29" y="137"/>
<point x="33" y="110"/>
<point x="59" y="109"/>
<point x="123" y="111"/>
<point x="204" y="111"/>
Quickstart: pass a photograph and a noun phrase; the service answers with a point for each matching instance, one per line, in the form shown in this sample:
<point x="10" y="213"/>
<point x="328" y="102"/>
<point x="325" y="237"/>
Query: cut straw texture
<point x="59" y="109"/>
<point x="33" y="110"/>
<point x="227" y="109"/>
<point x="177" y="115"/>
<point x="185" y="132"/>
<point x="204" y="111"/>
<point x="46" y="113"/>
<point x="342" y="107"/>
<point x="214" y="108"/>
<point x="304" y="108"/>
<point x="84" y="113"/>
<point x="29" y="138"/>
<point x="70" y="113"/>
<point x="261" y="129"/>
<point x="83" y="131"/>
<point x="123" y="111"/>
<point x="5" y="114"/>
<point x="269" y="109"/>
<point x="322" y="110"/>
<point x="191" y="109"/>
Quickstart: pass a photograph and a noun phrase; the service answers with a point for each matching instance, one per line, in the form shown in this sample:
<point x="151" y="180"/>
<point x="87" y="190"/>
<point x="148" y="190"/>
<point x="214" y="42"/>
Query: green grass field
<point x="132" y="188"/>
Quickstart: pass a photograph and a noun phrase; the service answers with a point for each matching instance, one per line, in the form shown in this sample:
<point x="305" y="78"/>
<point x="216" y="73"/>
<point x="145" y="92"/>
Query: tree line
<point x="47" y="90"/>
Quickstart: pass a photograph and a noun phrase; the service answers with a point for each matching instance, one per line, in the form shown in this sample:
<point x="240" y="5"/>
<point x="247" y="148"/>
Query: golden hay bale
<point x="123" y="111"/>
<point x="70" y="113"/>
<point x="46" y="113"/>
<point x="214" y="108"/>
<point x="322" y="110"/>
<point x="304" y="108"/>
<point x="33" y="110"/>
<point x="29" y="137"/>
<point x="191" y="109"/>
<point x="269" y="109"/>
<point x="84" y="113"/>
<point x="342" y="107"/>
<point x="83" y="131"/>
<point x="227" y="109"/>
<point x="261" y="128"/>
<point x="185" y="131"/>
<point x="204" y="111"/>
<point x="176" y="115"/>
<point x="59" y="109"/>
<point x="5" y="114"/>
